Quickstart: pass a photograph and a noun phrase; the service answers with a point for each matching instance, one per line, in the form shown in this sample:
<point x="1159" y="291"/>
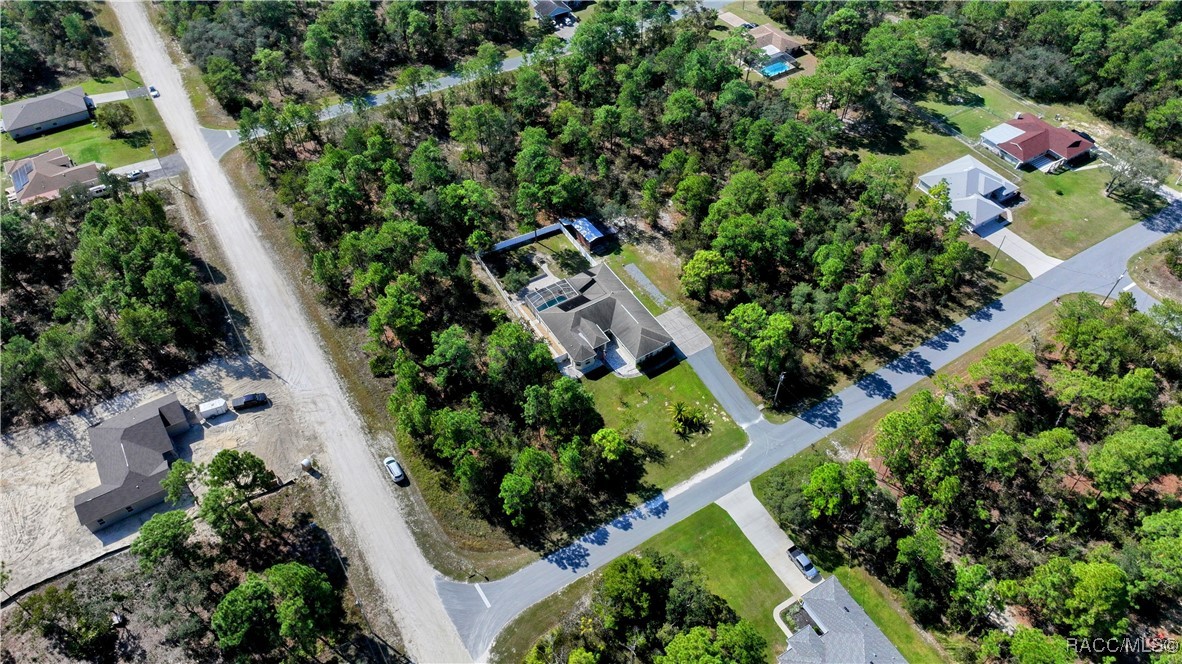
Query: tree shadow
<point x="141" y="138"/>
<point x="887" y="139"/>
<point x="1138" y="201"/>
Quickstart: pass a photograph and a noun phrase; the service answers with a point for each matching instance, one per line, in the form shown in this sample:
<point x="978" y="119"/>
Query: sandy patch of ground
<point x="44" y="467"/>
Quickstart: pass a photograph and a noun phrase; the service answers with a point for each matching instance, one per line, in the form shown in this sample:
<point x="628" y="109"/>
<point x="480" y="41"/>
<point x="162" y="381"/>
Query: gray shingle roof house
<point x="587" y="310"/>
<point x="973" y="187"/>
<point x="848" y="636"/>
<point x="551" y="8"/>
<point x="42" y="177"/>
<point x="132" y="451"/>
<point x="37" y="115"/>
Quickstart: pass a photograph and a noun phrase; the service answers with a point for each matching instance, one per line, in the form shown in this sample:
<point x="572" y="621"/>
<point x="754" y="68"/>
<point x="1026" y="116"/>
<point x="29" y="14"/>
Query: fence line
<point x="975" y="146"/>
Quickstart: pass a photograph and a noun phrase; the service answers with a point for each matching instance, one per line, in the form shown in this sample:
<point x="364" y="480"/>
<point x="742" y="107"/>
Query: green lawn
<point x="1064" y="214"/>
<point x="88" y="142"/>
<point x="980" y="107"/>
<point x="642" y="402"/>
<point x="883" y="606"/>
<point x="129" y="80"/>
<point x="749" y="11"/>
<point x="1069" y="212"/>
<point x="519" y="636"/>
<point x="733" y="569"/>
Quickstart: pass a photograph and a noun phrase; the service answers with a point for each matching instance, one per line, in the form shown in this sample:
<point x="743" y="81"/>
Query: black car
<point x="249" y="401"/>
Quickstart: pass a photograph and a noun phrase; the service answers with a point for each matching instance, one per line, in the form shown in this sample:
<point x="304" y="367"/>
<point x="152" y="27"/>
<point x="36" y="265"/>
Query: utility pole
<point x="349" y="582"/>
<point x="999" y="245"/>
<point x="776" y="399"/>
<point x="1122" y="276"/>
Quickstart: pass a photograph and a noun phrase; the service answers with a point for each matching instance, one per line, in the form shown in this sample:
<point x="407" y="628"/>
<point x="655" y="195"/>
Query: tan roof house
<point x="41" y="177"/>
<point x="769" y="35"/>
<point x="38" y="115"/>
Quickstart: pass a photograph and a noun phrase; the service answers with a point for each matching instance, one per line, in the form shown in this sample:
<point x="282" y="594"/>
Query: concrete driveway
<point x="766" y="536"/>
<point x="1013" y="245"/>
<point x="120" y="95"/>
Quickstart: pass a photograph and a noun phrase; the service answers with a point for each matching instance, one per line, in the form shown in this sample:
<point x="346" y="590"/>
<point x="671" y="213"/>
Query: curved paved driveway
<point x="481" y="611"/>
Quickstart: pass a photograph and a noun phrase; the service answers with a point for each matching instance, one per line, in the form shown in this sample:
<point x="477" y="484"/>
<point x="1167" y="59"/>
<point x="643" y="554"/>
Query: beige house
<point x="41" y="177"/>
<point x="769" y="38"/>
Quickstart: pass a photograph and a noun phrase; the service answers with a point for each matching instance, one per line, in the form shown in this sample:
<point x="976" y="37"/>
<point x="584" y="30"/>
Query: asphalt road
<point x="222" y="141"/>
<point x="464" y="625"/>
<point x="291" y="348"/>
<point x="480" y="611"/>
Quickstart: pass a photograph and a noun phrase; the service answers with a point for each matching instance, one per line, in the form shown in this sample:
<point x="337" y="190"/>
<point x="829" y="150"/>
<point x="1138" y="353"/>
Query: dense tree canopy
<point x="244" y="45"/>
<point x="652" y="608"/>
<point x="96" y="290"/>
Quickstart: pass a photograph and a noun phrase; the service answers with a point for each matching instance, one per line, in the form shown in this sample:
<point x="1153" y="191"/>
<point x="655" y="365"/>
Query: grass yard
<point x="732" y="568"/>
<point x="980" y="107"/>
<point x="1064" y="214"/>
<point x="88" y="142"/>
<point x="883" y="606"/>
<point x="1148" y="269"/>
<point x="520" y="635"/>
<point x="128" y="80"/>
<point x="1069" y="212"/>
<point x="749" y="11"/>
<point x="641" y="403"/>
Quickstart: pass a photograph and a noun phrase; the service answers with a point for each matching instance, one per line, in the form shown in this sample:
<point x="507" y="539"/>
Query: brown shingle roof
<point x="769" y="35"/>
<point x="43" y="176"/>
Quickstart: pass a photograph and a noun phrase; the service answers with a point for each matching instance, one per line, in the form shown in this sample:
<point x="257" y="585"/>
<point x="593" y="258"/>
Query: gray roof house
<point x="587" y="310"/>
<point x="847" y="635"/>
<point x="551" y="8"/>
<point x="50" y="112"/>
<point x="132" y="451"/>
<point x="973" y="187"/>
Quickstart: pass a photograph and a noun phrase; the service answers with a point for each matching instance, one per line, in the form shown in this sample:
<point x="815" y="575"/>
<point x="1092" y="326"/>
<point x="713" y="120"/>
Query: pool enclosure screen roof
<point x="550" y="295"/>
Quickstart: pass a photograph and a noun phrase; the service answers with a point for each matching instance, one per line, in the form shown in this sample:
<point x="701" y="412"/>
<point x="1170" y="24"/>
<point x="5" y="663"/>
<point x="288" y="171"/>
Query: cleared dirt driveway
<point x="44" y="467"/>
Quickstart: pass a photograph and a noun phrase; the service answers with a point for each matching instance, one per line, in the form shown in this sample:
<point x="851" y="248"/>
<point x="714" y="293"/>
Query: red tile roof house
<point x="1028" y="140"/>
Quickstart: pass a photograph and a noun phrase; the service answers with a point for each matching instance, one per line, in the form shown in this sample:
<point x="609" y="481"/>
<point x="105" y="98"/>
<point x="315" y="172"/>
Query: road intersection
<point x="437" y="615"/>
<point x="481" y="611"/>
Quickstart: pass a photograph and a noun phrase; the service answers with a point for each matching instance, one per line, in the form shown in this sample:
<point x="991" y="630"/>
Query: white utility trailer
<point x="213" y="408"/>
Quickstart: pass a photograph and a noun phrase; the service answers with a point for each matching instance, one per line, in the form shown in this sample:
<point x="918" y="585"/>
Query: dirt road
<point x="292" y="350"/>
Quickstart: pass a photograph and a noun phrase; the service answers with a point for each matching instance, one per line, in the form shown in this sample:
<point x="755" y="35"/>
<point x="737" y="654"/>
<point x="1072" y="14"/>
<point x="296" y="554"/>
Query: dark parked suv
<point x="249" y="401"/>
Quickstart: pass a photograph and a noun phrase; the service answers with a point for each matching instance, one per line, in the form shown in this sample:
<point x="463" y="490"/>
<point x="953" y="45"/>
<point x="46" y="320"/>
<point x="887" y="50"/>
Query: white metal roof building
<point x="974" y="188"/>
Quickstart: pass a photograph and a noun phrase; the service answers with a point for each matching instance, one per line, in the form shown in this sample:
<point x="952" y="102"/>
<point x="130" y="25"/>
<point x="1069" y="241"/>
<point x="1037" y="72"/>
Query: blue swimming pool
<point x="775" y="69"/>
<point x="551" y="302"/>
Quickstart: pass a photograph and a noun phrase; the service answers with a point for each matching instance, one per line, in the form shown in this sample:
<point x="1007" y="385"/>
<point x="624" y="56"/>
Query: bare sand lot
<point x="42" y="468"/>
